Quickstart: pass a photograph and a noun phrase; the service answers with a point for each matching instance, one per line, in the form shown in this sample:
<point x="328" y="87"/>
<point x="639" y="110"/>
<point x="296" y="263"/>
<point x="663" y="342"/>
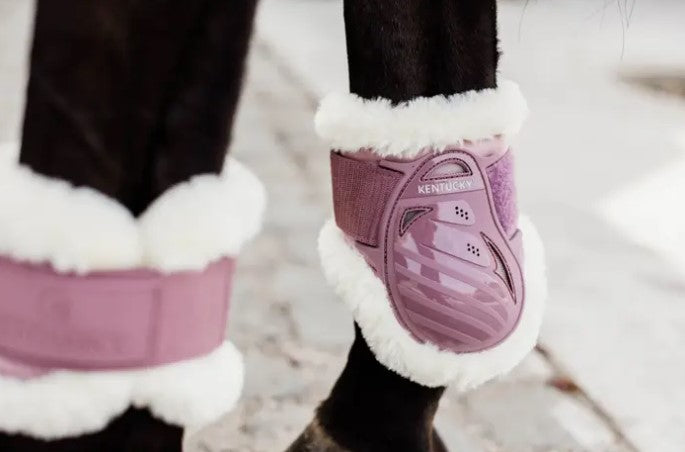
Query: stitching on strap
<point x="361" y="190"/>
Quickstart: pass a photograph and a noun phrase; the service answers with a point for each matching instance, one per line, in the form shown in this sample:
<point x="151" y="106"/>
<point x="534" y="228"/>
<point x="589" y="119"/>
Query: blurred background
<point x="601" y="170"/>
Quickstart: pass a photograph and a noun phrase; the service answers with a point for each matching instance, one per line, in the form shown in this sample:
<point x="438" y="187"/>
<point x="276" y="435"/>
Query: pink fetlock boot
<point x="101" y="311"/>
<point x="427" y="248"/>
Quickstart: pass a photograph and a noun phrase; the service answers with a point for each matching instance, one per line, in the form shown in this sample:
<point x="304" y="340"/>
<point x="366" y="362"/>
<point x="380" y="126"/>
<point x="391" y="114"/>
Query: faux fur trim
<point x="349" y="123"/>
<point x="77" y="229"/>
<point x="395" y="348"/>
<point x="63" y="404"/>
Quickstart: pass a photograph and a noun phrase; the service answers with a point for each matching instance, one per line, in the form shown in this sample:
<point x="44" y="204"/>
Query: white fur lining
<point x="63" y="404"/>
<point x="349" y="123"/>
<point x="394" y="347"/>
<point x="44" y="219"/>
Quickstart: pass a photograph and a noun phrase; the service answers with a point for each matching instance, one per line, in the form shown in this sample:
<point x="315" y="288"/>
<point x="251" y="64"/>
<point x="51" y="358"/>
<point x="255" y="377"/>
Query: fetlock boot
<point x="101" y="312"/>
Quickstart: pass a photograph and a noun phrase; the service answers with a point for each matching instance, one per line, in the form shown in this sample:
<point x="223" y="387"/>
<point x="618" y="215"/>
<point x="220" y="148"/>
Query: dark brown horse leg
<point x="130" y="97"/>
<point x="399" y="50"/>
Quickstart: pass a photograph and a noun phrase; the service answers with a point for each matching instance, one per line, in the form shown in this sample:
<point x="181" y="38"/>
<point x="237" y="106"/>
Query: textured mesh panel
<point x="360" y="192"/>
<point x="501" y="178"/>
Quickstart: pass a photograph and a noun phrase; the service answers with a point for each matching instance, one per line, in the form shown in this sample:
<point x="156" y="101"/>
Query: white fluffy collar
<point x="349" y="123"/>
<point x="81" y="230"/>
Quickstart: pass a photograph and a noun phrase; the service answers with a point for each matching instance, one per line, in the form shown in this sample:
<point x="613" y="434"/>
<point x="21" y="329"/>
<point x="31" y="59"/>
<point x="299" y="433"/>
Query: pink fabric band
<point x="360" y="193"/>
<point x="110" y="320"/>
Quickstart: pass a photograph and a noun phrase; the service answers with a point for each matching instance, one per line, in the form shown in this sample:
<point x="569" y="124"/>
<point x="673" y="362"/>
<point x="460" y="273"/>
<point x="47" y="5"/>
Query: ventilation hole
<point x="409" y="217"/>
<point x="501" y="268"/>
<point x="452" y="168"/>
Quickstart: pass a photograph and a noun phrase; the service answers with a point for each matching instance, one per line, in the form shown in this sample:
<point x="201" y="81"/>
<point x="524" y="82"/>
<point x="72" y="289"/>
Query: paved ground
<point x="609" y="371"/>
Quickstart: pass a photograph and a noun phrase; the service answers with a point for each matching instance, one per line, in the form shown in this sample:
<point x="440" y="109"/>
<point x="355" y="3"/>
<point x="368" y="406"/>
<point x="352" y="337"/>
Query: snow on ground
<point x="601" y="167"/>
<point x="651" y="212"/>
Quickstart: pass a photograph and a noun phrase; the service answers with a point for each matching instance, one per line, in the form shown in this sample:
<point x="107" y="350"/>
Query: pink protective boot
<point x="100" y="311"/>
<point x="427" y="248"/>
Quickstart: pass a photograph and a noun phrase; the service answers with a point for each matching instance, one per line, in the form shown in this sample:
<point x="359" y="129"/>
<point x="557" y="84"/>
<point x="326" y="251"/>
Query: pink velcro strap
<point x="110" y="320"/>
<point x="360" y="192"/>
<point x="501" y="178"/>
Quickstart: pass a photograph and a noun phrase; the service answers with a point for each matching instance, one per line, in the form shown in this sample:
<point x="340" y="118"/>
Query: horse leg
<point x="400" y="50"/>
<point x="130" y="97"/>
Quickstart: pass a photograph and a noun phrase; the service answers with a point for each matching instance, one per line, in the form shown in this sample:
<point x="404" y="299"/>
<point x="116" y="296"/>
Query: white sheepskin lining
<point x="63" y="404"/>
<point x="46" y="220"/>
<point x="349" y="123"/>
<point x="394" y="347"/>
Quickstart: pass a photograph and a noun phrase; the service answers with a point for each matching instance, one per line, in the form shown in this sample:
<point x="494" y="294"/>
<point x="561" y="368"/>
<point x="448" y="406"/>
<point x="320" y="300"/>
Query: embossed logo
<point x="439" y="188"/>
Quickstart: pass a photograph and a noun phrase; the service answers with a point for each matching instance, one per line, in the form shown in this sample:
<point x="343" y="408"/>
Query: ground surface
<point x="601" y="168"/>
